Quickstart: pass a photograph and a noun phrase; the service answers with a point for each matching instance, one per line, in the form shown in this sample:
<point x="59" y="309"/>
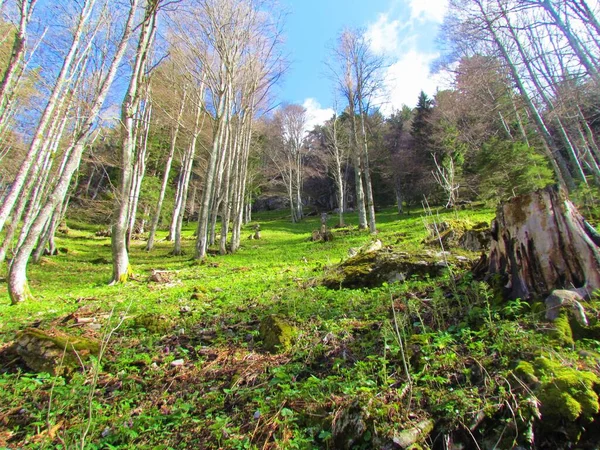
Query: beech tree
<point x="287" y="153"/>
<point x="106" y="73"/>
<point x="16" y="62"/>
<point x="173" y="104"/>
<point x="547" y="47"/>
<point x="28" y="168"/>
<point x="129" y="111"/>
<point x="338" y="149"/>
<point x="235" y="47"/>
<point x="358" y="76"/>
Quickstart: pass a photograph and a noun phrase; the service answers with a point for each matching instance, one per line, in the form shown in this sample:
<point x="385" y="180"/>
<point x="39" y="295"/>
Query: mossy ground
<point x="201" y="378"/>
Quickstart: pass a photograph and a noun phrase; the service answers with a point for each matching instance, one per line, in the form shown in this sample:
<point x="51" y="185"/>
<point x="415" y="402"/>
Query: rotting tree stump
<point x="540" y="242"/>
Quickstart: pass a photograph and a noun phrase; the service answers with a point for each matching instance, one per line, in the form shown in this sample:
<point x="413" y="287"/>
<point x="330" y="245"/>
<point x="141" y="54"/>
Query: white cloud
<point x="408" y="45"/>
<point x="406" y="78"/>
<point x="383" y="35"/>
<point x="315" y="113"/>
<point x="433" y="10"/>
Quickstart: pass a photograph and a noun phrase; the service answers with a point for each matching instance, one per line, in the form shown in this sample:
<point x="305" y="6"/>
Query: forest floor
<point x="432" y="362"/>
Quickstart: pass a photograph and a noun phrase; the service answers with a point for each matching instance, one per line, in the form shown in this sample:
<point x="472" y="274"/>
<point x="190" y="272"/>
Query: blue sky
<point x="404" y="31"/>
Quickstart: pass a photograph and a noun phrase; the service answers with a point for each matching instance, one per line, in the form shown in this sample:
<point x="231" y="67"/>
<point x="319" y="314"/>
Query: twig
<point x="96" y="369"/>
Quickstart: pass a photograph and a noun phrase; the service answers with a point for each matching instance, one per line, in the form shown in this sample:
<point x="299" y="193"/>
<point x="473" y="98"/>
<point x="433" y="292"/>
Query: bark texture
<point x="540" y="242"/>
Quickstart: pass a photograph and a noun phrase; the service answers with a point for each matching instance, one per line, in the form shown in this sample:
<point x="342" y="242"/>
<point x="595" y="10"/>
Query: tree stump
<point x="540" y="242"/>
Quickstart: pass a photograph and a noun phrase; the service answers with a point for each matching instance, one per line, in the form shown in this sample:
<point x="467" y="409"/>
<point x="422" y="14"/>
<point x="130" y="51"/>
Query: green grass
<point x="231" y="394"/>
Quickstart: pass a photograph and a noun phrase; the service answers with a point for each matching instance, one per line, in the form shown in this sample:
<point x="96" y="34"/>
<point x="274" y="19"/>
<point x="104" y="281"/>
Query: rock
<point x="373" y="247"/>
<point x="372" y="269"/>
<point x="418" y="433"/>
<point x="198" y="296"/>
<point x="53" y="352"/>
<point x="154" y="323"/>
<point x="567" y="298"/>
<point x="348" y="427"/>
<point x="319" y="236"/>
<point x="177" y="363"/>
<point x="526" y="372"/>
<point x="460" y="233"/>
<point x="160" y="276"/>
<point x="106" y="232"/>
<point x="277" y="334"/>
<point x="476" y="239"/>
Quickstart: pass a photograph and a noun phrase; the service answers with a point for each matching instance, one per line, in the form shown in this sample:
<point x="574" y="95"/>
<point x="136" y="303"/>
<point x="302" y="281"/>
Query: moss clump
<point x="154" y="323"/>
<point x="372" y="269"/>
<point x="459" y="233"/>
<point x="277" y="334"/>
<point x="566" y="393"/>
<point x="563" y="333"/>
<point x="526" y="372"/>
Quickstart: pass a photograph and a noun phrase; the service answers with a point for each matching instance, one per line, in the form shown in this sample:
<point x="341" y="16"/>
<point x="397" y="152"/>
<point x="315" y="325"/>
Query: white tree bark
<point x="120" y="255"/>
<point x="167" y="172"/>
<point x="14" y="68"/>
<point x="17" y="280"/>
<point x="48" y="113"/>
<point x="189" y="163"/>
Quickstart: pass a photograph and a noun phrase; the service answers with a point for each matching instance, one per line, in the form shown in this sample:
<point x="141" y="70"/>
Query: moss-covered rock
<point x="526" y="372"/>
<point x="154" y="323"/>
<point x="566" y="394"/>
<point x="52" y="351"/>
<point x="277" y="334"/>
<point x="372" y="269"/>
<point x="562" y="332"/>
<point x="460" y="233"/>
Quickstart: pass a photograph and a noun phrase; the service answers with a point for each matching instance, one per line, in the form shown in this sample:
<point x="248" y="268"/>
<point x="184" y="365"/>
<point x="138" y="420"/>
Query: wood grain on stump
<point x="540" y="242"/>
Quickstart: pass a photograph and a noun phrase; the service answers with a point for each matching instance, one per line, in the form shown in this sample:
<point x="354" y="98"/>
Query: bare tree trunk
<point x="36" y="186"/>
<point x="358" y="176"/>
<point x="338" y="176"/>
<point x="367" y="170"/>
<point x="573" y="41"/>
<point x="398" y="192"/>
<point x="167" y="172"/>
<point x="248" y="215"/>
<point x="187" y="174"/>
<point x="48" y="235"/>
<point x="177" y="204"/>
<point x="560" y="167"/>
<point x="120" y="256"/>
<point x="239" y="188"/>
<point x="139" y="167"/>
<point x="585" y="13"/>
<point x="15" y="64"/>
<point x="47" y="115"/>
<point x="298" y="193"/>
<point x="17" y="278"/>
<point x="209" y="180"/>
<point x="192" y="204"/>
<point x="228" y="187"/>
